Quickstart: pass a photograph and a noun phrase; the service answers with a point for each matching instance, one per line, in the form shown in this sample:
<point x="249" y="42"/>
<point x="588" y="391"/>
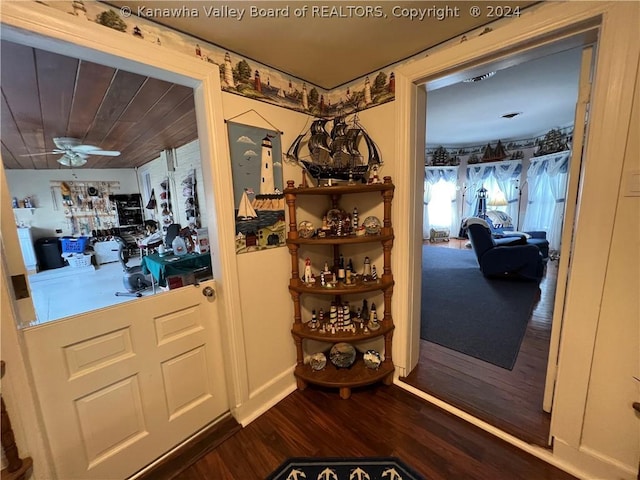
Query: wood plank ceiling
<point x="46" y="95"/>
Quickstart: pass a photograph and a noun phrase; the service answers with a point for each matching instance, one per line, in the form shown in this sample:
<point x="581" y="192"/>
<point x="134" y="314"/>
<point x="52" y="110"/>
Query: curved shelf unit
<point x="351" y="239"/>
<point x="302" y="331"/>
<point x="358" y="374"/>
<point x="341" y="289"/>
<point x="340" y="189"/>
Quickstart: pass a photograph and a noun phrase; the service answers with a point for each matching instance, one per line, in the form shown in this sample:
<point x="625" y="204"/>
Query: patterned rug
<point x="382" y="468"/>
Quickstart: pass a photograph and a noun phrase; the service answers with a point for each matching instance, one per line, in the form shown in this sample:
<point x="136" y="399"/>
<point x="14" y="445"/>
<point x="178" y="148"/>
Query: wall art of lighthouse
<point x="256" y="155"/>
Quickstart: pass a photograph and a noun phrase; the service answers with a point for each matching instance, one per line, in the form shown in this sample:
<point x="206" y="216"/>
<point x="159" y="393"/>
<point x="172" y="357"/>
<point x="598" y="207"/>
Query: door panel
<point x="122" y="385"/>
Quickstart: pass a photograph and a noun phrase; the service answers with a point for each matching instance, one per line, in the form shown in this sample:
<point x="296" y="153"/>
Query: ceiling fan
<point x="74" y="153"/>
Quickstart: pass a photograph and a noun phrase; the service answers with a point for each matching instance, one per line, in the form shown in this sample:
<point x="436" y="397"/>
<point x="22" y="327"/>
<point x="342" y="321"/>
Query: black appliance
<point x="49" y="253"/>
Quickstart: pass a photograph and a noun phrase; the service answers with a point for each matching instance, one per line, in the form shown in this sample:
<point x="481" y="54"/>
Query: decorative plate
<point x="305" y="229"/>
<point x="318" y="361"/>
<point x="372" y="359"/>
<point x="372" y="225"/>
<point x="342" y="355"/>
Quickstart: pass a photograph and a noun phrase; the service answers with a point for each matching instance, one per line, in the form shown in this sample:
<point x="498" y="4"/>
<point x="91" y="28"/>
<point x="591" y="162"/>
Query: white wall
<point x="46" y="216"/>
<point x="267" y="308"/>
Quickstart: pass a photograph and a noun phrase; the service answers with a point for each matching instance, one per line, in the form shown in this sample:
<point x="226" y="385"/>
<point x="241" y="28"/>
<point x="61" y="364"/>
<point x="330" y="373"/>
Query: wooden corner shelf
<point x="358" y="374"/>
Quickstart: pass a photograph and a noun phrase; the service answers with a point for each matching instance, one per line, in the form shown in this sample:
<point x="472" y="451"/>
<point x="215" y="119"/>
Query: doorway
<point x="131" y="364"/>
<point x="511" y="401"/>
<point x="508" y="398"/>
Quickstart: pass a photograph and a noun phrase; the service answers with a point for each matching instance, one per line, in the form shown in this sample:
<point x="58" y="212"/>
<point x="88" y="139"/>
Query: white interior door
<point x="120" y="386"/>
<point x="580" y="126"/>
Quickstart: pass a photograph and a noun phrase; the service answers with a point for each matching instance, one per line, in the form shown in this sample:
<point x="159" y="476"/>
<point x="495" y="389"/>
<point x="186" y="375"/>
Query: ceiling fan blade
<point x="84" y="148"/>
<point x="106" y="153"/>
<point x="65" y="143"/>
<point x="38" y="154"/>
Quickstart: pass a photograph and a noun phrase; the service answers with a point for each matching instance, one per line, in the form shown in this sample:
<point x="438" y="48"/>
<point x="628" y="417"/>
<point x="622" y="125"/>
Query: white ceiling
<point x="543" y="90"/>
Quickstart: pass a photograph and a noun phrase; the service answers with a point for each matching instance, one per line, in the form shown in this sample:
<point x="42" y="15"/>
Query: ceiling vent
<point x="479" y="78"/>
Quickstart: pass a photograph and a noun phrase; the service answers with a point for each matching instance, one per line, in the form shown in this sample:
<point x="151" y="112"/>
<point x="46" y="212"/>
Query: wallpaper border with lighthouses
<point x="259" y="203"/>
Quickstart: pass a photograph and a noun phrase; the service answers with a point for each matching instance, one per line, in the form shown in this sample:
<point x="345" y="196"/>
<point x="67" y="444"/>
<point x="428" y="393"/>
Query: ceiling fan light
<point x="68" y="161"/>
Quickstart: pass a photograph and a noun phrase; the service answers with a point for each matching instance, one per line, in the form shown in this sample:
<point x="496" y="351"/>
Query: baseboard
<point x="596" y="465"/>
<point x="265" y="397"/>
<point x="539" y="452"/>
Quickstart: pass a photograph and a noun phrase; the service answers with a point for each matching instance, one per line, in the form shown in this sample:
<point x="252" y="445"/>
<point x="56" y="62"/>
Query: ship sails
<point x="245" y="210"/>
<point x="335" y="154"/>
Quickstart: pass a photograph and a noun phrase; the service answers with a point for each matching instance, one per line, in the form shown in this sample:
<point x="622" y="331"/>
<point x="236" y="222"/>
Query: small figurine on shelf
<point x="313" y="324"/>
<point x="333" y="314"/>
<point x="323" y="280"/>
<point x="308" y="276"/>
<point x="374" y="274"/>
<point x="341" y="270"/>
<point x="373" y="319"/>
<point x="358" y="318"/>
<point x="366" y="272"/>
<point x="354" y="219"/>
<point x="348" y="279"/>
<point x="365" y="311"/>
<point x="373" y="175"/>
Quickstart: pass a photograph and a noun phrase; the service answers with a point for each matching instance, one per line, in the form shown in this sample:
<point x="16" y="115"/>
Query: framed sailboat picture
<point x="259" y="203"/>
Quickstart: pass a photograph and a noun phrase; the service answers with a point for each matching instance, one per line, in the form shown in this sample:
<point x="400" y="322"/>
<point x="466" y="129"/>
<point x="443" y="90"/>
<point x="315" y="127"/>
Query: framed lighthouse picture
<point x="259" y="203"/>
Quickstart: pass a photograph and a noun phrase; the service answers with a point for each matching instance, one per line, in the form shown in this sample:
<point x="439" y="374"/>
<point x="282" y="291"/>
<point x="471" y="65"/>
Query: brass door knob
<point x="208" y="292"/>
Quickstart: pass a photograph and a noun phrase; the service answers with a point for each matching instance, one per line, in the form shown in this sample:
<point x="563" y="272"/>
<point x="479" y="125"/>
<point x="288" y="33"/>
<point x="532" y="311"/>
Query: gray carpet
<point x="464" y="311"/>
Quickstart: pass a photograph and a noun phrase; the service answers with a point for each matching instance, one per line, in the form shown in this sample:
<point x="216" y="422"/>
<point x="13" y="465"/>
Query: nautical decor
<point x="335" y="154"/>
<point x="318" y="361"/>
<point x="372" y="359"/>
<point x="305" y="229"/>
<point x="257" y="187"/>
<point x="372" y="225"/>
<point x="342" y="355"/>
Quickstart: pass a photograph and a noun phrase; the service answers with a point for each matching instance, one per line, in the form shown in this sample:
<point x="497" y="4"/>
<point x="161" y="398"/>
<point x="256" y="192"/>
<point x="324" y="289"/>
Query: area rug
<point x="389" y="468"/>
<point x="467" y="312"/>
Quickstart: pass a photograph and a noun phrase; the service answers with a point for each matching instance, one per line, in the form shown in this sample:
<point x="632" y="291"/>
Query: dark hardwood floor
<point x="376" y="421"/>
<point x="509" y="400"/>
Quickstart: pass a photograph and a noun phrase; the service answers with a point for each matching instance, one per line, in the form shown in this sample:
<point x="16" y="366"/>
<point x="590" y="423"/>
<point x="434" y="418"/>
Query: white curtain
<point x="476" y="174"/>
<point x="428" y="182"/>
<point x="434" y="177"/>
<point x="535" y="217"/>
<point x="506" y="175"/>
<point x="547" y="177"/>
<point x="557" y="168"/>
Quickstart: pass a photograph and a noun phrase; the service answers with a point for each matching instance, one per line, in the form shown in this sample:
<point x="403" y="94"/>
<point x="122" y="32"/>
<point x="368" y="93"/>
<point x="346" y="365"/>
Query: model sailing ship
<point x="335" y="155"/>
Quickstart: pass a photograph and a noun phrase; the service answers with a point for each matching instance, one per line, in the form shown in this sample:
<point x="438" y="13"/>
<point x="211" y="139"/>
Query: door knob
<point x="208" y="292"/>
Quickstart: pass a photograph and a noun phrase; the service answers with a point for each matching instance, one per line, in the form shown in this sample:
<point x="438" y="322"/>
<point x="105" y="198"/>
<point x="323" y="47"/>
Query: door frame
<point x="614" y="80"/>
<point x="39" y="26"/>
